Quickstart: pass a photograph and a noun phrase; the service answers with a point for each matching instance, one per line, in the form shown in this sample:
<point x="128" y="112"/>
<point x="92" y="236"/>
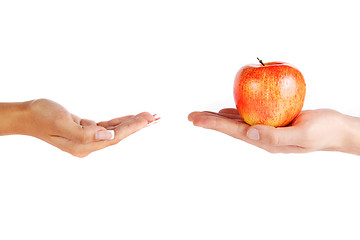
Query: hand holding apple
<point x="308" y="132"/>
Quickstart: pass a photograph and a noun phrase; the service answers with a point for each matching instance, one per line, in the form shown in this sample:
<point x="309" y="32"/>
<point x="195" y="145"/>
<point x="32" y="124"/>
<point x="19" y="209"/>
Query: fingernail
<point x="156" y="117"/>
<point x="103" y="135"/>
<point x="253" y="134"/>
<point x="156" y="120"/>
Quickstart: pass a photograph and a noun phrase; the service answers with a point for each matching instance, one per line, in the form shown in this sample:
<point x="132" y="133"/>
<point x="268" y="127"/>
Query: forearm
<point x="13" y="117"/>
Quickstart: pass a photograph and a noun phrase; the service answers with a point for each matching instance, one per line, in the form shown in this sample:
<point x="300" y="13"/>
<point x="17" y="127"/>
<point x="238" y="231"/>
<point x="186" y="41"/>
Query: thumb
<point x="275" y="136"/>
<point x="87" y="134"/>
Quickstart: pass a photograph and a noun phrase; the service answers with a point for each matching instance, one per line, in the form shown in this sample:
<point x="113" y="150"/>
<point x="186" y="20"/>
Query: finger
<point x="228" y="126"/>
<point x="126" y="128"/>
<point x="132" y="125"/>
<point x="280" y="136"/>
<point x="75" y="118"/>
<point x="114" y="122"/>
<point x="193" y="115"/>
<point x="230" y="115"/>
<point x="98" y="133"/>
<point x="229" y="111"/>
<point x="87" y="122"/>
<point x="240" y="131"/>
<point x="89" y="132"/>
<point x="197" y="114"/>
<point x="118" y="123"/>
<point x="72" y="130"/>
<point x="207" y="113"/>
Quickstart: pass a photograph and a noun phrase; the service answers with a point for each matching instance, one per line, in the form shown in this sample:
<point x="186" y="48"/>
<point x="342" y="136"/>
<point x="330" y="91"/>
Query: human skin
<point x="52" y="123"/>
<point x="312" y="130"/>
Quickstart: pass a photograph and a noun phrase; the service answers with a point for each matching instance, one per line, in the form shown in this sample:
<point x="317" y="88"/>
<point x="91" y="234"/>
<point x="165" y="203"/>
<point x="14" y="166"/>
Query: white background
<point x="105" y="59"/>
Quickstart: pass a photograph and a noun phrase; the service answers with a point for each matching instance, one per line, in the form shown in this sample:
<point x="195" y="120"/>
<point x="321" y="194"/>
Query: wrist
<point x="350" y="140"/>
<point x="13" y="118"/>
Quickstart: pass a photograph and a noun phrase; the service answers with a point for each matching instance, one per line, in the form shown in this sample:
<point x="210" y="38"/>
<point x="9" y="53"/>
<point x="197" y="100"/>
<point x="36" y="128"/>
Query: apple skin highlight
<point x="272" y="94"/>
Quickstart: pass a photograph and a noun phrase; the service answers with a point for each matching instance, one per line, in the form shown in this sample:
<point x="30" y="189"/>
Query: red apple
<point x="272" y="93"/>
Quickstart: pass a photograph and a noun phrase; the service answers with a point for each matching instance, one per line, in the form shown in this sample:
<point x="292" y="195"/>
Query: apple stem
<point x="261" y="62"/>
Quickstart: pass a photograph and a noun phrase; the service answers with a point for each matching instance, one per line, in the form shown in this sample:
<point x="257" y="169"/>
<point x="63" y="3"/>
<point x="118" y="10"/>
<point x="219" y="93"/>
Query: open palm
<point x="52" y="123"/>
<point x="312" y="130"/>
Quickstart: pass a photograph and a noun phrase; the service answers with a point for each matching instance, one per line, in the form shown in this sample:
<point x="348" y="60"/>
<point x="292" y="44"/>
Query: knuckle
<point x="36" y="105"/>
<point x="84" y="138"/>
<point x="39" y="101"/>
<point x="114" y="142"/>
<point x="271" y="139"/>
